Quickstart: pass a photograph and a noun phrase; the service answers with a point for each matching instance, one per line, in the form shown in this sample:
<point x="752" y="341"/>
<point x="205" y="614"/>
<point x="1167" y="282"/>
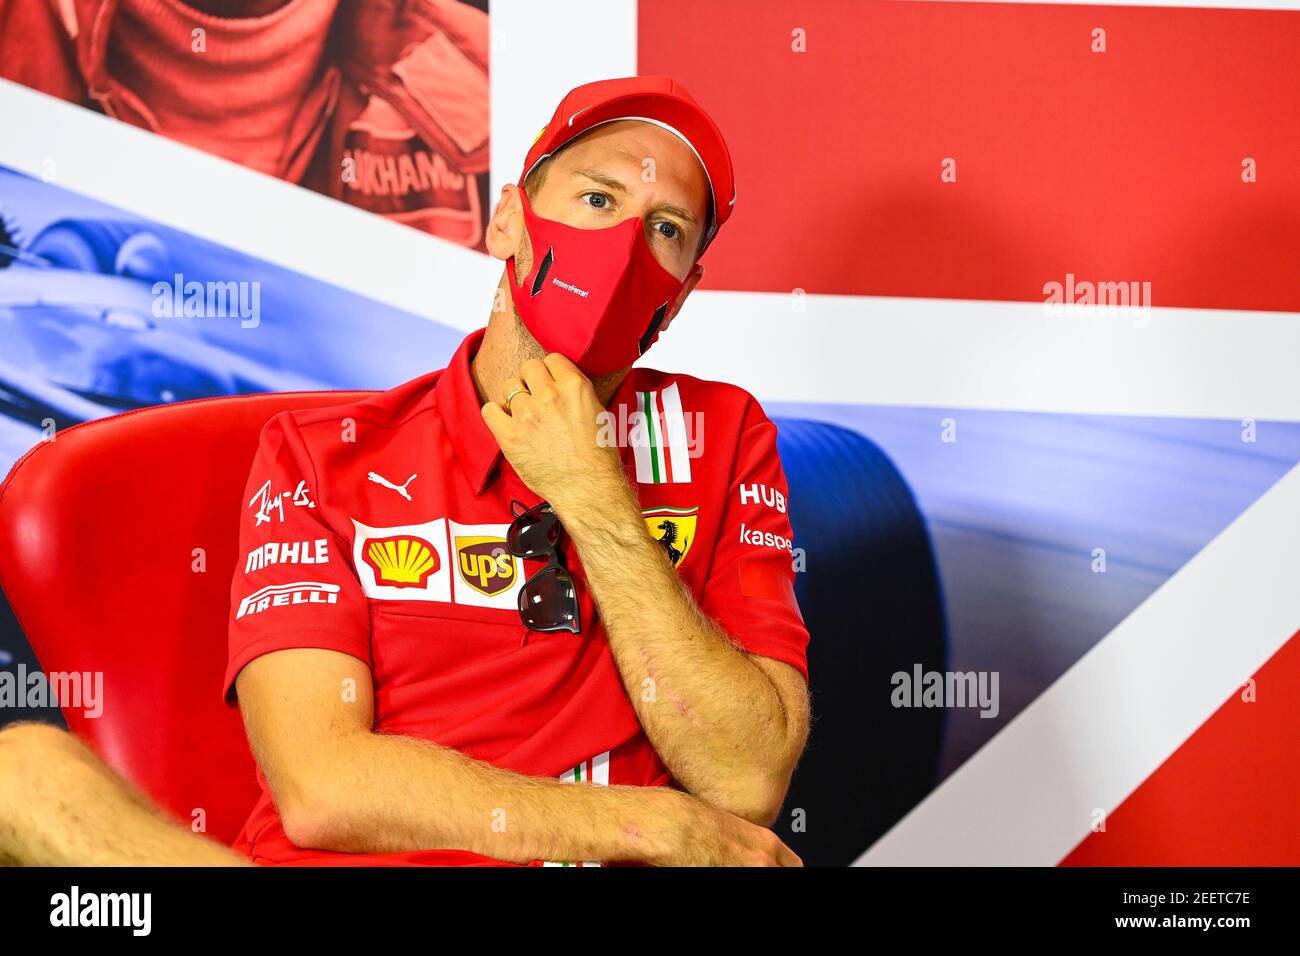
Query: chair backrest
<point x="871" y="597"/>
<point x="117" y="543"/>
<point x="118" y="539"/>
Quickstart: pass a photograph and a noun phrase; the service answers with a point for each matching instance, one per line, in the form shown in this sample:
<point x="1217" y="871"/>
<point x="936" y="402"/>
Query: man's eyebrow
<point x="680" y="213"/>
<point x="595" y="175"/>
<point x="608" y="181"/>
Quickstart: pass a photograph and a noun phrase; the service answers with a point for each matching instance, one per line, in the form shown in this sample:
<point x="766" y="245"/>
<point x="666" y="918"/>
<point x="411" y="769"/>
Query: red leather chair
<point x="100" y="560"/>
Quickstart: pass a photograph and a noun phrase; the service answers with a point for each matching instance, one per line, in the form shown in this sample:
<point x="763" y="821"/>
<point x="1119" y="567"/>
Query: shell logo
<point x="402" y="561"/>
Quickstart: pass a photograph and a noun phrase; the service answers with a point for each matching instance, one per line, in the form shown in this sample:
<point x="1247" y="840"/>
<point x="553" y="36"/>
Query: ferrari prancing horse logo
<point x="673" y="528"/>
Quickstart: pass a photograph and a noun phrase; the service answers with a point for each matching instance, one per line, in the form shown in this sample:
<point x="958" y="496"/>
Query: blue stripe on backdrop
<point x="1017" y="504"/>
<point x="81" y="334"/>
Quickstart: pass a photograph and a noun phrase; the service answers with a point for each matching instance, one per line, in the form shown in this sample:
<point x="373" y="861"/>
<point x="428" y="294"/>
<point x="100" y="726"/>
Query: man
<point x="490" y="615"/>
<point x="380" y="103"/>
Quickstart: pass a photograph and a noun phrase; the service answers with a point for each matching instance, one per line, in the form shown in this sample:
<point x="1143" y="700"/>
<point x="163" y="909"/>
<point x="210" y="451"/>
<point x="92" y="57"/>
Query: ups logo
<point x="485" y="564"/>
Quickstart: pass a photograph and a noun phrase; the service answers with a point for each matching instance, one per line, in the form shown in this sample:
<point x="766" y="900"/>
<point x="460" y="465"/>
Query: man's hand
<point x="340" y="786"/>
<point x="706" y="836"/>
<point x="549" y="434"/>
<point x="729" y="726"/>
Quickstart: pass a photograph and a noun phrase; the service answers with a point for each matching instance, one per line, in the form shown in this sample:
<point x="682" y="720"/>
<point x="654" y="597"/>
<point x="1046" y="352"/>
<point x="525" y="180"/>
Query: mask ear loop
<point x="547" y="261"/>
<point x="657" y="319"/>
<point x="539" y="280"/>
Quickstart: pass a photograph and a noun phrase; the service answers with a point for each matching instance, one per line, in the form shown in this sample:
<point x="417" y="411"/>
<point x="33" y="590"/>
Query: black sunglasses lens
<point x="549" y="601"/>
<point x="534" y="533"/>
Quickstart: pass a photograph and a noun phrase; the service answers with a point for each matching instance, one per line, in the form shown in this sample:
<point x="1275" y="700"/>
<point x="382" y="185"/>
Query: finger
<point x="560" y="367"/>
<point x="496" y="419"/>
<point x="786" y="856"/>
<point x="536" y="376"/>
<point x="513" y="390"/>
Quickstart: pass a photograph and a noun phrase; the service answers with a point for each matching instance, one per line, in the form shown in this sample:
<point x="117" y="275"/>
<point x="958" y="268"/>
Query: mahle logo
<point x="485" y="564"/>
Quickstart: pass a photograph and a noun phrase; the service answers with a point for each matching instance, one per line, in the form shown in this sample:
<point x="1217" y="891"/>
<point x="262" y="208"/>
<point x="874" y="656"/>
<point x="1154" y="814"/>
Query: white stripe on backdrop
<point x="226" y="203"/>
<point x="970" y="354"/>
<point x="1029" y="795"/>
<point x="1196" y="363"/>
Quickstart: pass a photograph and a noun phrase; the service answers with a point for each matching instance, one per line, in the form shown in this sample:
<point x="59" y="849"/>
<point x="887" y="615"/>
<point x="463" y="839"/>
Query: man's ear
<point x="506" y="227"/>
<point x="692" y="280"/>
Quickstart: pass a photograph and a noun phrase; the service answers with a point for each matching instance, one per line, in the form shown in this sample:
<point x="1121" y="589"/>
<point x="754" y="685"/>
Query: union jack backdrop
<point x="1044" y="256"/>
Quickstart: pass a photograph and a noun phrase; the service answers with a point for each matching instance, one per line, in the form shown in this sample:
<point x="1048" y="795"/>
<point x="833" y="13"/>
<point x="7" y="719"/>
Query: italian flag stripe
<point x="661" y="447"/>
<point x="600" y="769"/>
<point x="650" y="409"/>
<point x="675" y="432"/>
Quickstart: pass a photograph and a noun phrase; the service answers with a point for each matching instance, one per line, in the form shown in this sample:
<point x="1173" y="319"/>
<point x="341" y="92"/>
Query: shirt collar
<point x="472" y="442"/>
<point x="475" y="448"/>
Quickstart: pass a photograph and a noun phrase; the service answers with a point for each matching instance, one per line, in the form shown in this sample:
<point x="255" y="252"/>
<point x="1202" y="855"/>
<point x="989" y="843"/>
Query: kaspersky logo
<point x="485" y="564"/>
<point x="401" y="561"/>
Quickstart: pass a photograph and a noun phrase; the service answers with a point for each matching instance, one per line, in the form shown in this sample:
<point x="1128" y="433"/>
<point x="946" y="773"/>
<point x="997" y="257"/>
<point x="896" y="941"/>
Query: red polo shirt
<point x="377" y="529"/>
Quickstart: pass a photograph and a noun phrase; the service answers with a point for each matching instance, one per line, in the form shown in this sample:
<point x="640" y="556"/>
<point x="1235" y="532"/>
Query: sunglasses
<point x="548" y="601"/>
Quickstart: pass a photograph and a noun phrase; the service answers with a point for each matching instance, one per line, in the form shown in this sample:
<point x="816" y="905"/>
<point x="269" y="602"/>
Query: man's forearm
<point x="60" y="805"/>
<point x="382" y="793"/>
<point x="713" y="715"/>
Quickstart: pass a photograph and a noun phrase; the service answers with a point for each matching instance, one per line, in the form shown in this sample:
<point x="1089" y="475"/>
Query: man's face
<point x="628" y="170"/>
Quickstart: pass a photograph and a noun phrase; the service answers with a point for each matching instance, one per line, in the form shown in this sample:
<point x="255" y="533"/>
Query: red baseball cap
<point x="653" y="99"/>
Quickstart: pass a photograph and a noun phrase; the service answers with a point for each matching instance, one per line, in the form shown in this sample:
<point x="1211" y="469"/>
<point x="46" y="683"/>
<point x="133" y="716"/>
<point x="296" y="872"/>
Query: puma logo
<point x="400" y="489"/>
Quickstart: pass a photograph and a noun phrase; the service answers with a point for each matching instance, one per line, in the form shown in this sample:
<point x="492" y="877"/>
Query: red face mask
<point x="596" y="296"/>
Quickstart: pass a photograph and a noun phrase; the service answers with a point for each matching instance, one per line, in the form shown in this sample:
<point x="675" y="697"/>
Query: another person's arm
<point x="60" y="805"/>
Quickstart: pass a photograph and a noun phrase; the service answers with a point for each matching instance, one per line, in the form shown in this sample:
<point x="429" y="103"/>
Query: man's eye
<point x="669" y="230"/>
<point x="597" y="200"/>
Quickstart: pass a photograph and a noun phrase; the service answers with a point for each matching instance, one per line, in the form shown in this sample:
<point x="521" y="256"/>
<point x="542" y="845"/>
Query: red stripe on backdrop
<point x="1116" y="166"/>
<point x="1226" y="797"/>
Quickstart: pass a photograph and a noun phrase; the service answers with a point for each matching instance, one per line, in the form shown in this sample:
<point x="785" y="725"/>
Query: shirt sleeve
<point x="749" y="591"/>
<point x="293" y="584"/>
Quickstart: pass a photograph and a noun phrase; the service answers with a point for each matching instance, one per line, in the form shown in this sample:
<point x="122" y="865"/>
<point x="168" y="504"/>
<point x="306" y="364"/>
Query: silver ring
<point x="511" y="397"/>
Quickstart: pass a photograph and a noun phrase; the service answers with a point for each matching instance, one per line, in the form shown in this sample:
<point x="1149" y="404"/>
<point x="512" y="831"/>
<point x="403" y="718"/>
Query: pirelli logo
<point x="282" y="595"/>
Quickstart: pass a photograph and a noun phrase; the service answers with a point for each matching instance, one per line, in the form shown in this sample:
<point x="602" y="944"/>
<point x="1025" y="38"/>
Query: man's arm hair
<point x="729" y="725"/>
<point x="338" y="785"/>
